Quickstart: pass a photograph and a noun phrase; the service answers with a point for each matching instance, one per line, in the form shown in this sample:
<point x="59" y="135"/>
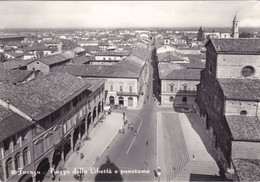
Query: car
<point x="116" y="107"/>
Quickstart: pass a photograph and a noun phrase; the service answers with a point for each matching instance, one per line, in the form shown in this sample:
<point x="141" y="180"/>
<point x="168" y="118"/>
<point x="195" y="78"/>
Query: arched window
<point x="244" y="112"/>
<point x="171" y="99"/>
<point x="121" y="88"/>
<point x="25" y="156"/>
<point x="248" y="71"/>
<point x="8" y="167"/>
<point x="184" y="99"/>
<point x="111" y="87"/>
<point x="171" y="87"/>
<point x="17" y="161"/>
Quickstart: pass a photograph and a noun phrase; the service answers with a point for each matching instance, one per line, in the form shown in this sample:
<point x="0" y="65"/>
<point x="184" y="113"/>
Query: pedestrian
<point x="147" y="143"/>
<point x="135" y="133"/>
<point x="123" y="131"/>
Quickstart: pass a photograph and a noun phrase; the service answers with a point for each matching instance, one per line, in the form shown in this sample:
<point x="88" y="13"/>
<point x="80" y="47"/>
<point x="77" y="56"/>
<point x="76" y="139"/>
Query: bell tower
<point x="235" y="33"/>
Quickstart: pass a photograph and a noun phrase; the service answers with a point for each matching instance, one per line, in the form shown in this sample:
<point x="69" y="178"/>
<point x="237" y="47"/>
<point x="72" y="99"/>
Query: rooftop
<point x="130" y="67"/>
<point x="247" y="169"/>
<point x="57" y="58"/>
<point x="176" y="72"/>
<point x="44" y="94"/>
<point x="240" y="89"/>
<point x="244" y="127"/>
<point x="11" y="123"/>
<point x="168" y="57"/>
<point x="240" y="46"/>
<point x="14" y="76"/>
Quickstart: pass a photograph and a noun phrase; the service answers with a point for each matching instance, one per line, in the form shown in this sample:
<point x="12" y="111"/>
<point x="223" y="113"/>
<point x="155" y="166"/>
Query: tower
<point x="235" y="33"/>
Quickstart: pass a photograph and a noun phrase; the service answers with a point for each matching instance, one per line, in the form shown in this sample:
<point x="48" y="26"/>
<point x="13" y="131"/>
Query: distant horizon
<point x="127" y="14"/>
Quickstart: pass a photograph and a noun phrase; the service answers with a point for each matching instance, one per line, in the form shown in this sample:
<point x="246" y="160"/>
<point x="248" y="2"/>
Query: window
<point x="121" y="88"/>
<point x="55" y="115"/>
<point x="24" y="135"/>
<point x="171" y="99"/>
<point x="8" y="167"/>
<point x="7" y="144"/>
<point x="248" y="71"/>
<point x="244" y="112"/>
<point x="25" y="156"/>
<point x="67" y="107"/>
<point x="111" y="88"/>
<point x="130" y="89"/>
<point x="171" y="87"/>
<point x="89" y="104"/>
<point x="17" y="161"/>
<point x="15" y="139"/>
<point x="185" y="87"/>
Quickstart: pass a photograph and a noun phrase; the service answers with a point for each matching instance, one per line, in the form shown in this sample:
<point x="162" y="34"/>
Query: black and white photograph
<point x="129" y="91"/>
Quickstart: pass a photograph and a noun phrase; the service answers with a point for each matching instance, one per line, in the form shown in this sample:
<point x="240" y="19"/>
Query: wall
<point x="230" y="66"/>
<point x="245" y="150"/>
<point x="234" y="107"/>
<point x="178" y="92"/>
<point x="37" y="65"/>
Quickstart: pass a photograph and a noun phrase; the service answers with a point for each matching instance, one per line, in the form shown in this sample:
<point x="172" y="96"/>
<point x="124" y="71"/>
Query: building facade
<point x="54" y="123"/>
<point x="228" y="99"/>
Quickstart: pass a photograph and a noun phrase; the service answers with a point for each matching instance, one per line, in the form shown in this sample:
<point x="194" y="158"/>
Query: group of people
<point x="130" y="125"/>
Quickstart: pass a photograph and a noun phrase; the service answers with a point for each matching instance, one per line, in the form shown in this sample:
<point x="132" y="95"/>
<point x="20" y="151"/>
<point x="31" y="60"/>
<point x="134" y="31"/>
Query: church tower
<point x="235" y="33"/>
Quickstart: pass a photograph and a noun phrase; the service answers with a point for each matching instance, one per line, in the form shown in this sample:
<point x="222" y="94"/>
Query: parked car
<point x="116" y="107"/>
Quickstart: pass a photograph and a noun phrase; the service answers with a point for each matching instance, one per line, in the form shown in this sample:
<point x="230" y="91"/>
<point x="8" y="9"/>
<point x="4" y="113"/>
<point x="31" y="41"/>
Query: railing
<point x="127" y="93"/>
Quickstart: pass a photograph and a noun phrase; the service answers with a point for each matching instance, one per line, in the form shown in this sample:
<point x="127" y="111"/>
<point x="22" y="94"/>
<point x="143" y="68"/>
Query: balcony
<point x="127" y="94"/>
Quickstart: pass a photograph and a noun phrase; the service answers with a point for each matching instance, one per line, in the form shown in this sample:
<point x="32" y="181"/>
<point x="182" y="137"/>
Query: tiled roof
<point x="11" y="36"/>
<point x="140" y="50"/>
<point x="168" y="57"/>
<point x="13" y="64"/>
<point x="44" y="94"/>
<point x="244" y="127"/>
<point x="11" y="123"/>
<point x="81" y="60"/>
<point x="14" y="54"/>
<point x="177" y="72"/>
<point x="91" y="48"/>
<point x="58" y="58"/>
<point x="245" y="45"/>
<point x="78" y="49"/>
<point x="131" y="67"/>
<point x="110" y="53"/>
<point x="37" y="48"/>
<point x="14" y="76"/>
<point x="247" y="169"/>
<point x="240" y="89"/>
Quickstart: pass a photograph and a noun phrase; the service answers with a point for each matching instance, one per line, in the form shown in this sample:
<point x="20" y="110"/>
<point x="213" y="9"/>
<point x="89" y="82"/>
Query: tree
<point x="246" y="35"/>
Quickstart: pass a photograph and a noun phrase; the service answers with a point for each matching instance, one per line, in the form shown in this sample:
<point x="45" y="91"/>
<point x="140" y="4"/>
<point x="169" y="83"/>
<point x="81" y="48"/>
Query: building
<point x="43" y="122"/>
<point x="228" y="103"/>
<point x="109" y="57"/>
<point x="47" y="64"/>
<point x="235" y="27"/>
<point x="12" y="38"/>
<point x="171" y="57"/>
<point x="124" y="81"/>
<point x="178" y="85"/>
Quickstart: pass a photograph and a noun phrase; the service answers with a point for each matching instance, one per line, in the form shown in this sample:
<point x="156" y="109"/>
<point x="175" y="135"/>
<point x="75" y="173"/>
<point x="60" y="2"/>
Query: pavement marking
<point x="137" y="131"/>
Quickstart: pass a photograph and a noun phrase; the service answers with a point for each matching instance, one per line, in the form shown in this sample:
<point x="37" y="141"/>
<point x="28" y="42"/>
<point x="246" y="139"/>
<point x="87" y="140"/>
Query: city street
<point x="164" y="139"/>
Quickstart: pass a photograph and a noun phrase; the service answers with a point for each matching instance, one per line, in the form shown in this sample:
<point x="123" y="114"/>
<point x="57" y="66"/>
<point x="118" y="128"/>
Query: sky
<point x="127" y="14"/>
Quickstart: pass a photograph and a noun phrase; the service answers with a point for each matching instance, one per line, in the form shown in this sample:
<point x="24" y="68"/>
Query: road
<point x="130" y="152"/>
